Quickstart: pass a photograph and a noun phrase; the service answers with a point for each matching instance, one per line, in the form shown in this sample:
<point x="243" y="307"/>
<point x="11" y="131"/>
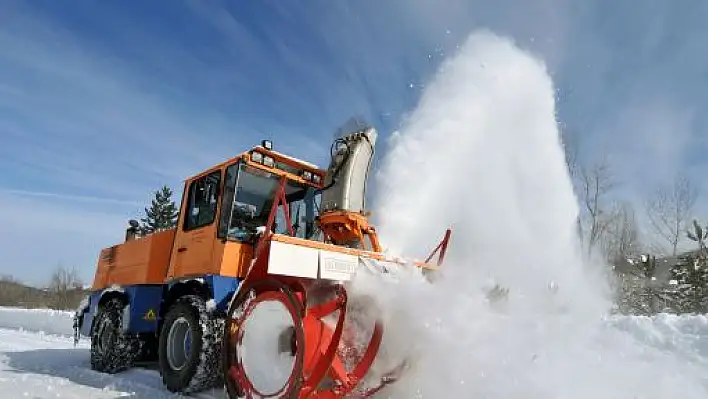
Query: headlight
<point x="268" y="161"/>
<point x="257" y="157"/>
<point x="316" y="179"/>
<point x="307" y="175"/>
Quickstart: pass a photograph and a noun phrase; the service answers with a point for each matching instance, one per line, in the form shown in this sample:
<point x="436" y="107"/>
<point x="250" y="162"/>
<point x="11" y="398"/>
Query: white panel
<point x="337" y="266"/>
<point x="388" y="267"/>
<point x="370" y="265"/>
<point x="375" y="266"/>
<point x="293" y="260"/>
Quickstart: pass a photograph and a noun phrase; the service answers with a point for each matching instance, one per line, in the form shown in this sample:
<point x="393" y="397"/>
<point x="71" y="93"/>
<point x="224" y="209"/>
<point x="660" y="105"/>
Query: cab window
<point x="249" y="199"/>
<point x="202" y="201"/>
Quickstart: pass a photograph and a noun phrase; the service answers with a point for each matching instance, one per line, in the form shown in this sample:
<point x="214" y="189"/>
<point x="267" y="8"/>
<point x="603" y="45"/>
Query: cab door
<point x="193" y="252"/>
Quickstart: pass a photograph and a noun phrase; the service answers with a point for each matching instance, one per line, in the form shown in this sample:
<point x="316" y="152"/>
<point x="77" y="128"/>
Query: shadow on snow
<point x="74" y="365"/>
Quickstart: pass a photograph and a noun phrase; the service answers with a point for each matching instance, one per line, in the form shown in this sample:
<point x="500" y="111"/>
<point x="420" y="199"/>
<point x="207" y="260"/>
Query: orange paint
<point x="141" y="261"/>
<point x="326" y="247"/>
<point x="343" y="227"/>
<point x="233" y="258"/>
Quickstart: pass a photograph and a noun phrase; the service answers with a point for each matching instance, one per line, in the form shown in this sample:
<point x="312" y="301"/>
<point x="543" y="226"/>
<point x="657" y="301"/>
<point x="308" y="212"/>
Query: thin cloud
<point x="92" y="108"/>
<point x="39" y="233"/>
<point x="70" y="198"/>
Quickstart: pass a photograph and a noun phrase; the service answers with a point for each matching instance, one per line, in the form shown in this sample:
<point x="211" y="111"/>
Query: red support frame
<point x="442" y="247"/>
<point x="278" y="200"/>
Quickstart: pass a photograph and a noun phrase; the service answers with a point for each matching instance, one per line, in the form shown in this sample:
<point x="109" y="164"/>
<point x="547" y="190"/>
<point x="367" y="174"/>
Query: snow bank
<point x="683" y="335"/>
<point x="40" y="320"/>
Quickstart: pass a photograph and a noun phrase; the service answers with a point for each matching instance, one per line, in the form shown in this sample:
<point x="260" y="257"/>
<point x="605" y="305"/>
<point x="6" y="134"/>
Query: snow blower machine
<point x="250" y="289"/>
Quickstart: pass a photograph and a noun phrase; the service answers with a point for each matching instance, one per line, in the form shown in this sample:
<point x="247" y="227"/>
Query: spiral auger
<point x="321" y="357"/>
<point x="239" y="383"/>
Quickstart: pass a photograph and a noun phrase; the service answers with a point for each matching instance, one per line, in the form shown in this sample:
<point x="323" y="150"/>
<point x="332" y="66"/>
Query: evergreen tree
<point x="162" y="214"/>
<point x="635" y="295"/>
<point x="691" y="288"/>
<point x="638" y="292"/>
<point x="691" y="276"/>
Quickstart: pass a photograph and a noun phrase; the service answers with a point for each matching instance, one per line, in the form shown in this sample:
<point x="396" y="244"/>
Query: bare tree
<point x="670" y="208"/>
<point x="64" y="286"/>
<point x="622" y="240"/>
<point x="596" y="182"/>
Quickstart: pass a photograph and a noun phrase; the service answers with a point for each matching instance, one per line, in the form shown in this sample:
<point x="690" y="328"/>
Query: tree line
<point x="64" y="291"/>
<point x="659" y="267"/>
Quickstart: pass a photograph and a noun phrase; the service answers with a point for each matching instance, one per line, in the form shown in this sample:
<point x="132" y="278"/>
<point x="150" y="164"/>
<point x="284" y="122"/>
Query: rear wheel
<point x="112" y="350"/>
<point x="189" y="347"/>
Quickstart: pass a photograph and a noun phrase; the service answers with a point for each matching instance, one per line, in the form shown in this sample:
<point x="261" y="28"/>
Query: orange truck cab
<point x="165" y="287"/>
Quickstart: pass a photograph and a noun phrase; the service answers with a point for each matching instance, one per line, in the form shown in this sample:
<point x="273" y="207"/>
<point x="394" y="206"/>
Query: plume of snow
<point x="481" y="153"/>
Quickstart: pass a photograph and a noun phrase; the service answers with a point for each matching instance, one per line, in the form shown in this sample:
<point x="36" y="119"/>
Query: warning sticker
<point x="150" y="315"/>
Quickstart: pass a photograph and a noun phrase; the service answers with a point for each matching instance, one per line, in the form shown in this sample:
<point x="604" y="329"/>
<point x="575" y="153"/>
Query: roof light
<point x="257" y="157"/>
<point x="268" y="161"/>
<point x="267" y="144"/>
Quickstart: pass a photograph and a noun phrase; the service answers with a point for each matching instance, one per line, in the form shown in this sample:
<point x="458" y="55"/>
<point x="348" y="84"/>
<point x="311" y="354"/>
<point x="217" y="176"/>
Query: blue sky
<point x="103" y="102"/>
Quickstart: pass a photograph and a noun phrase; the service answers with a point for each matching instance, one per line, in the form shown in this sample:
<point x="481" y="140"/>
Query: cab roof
<point x="259" y="148"/>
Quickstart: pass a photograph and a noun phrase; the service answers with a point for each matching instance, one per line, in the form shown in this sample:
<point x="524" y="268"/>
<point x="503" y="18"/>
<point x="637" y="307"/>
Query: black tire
<point x="200" y="370"/>
<point x="112" y="351"/>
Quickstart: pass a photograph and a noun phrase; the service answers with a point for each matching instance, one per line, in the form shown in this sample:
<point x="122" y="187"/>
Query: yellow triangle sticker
<point x="150" y="315"/>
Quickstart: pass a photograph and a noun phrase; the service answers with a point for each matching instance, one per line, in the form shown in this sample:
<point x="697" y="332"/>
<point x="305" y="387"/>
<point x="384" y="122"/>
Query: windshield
<point x="248" y="198"/>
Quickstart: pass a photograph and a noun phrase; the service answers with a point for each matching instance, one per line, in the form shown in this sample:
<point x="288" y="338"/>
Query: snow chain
<point x="76" y="331"/>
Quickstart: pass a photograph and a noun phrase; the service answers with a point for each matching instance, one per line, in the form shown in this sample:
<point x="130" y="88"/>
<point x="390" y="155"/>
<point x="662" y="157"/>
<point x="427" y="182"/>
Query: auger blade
<point x="291" y="341"/>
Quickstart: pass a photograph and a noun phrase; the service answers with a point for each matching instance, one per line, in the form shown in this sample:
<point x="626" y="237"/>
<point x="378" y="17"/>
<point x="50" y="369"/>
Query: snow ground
<point x="38" y="360"/>
<point x="45" y="320"/>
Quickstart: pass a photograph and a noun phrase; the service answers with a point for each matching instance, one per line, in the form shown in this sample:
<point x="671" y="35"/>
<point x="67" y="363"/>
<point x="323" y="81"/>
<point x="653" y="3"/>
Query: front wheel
<point x="112" y="350"/>
<point x="189" y="347"/>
